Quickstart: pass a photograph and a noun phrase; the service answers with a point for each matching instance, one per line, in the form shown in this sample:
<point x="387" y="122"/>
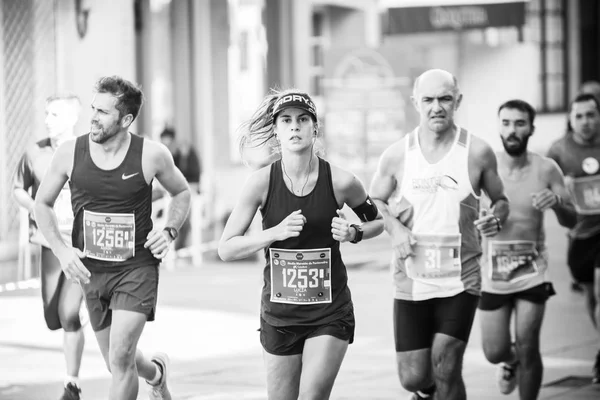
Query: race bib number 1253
<point x="300" y="277"/>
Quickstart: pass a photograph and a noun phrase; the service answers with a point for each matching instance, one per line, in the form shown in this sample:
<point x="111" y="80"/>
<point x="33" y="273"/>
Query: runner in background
<point x="515" y="261"/>
<point x="578" y="156"/>
<point x="61" y="298"/>
<point x="427" y="186"/>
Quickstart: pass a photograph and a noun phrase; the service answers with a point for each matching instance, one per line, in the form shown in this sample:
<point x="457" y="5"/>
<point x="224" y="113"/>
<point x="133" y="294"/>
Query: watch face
<point x="172" y="232"/>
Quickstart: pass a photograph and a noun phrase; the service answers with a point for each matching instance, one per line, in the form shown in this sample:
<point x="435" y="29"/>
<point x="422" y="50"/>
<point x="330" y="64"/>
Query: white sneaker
<point x="160" y="391"/>
<point x="419" y="396"/>
<point x="506" y="377"/>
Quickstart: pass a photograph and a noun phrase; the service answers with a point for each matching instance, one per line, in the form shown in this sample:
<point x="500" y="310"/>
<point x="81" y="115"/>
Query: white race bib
<point x="300" y="277"/>
<point x="512" y="260"/>
<point x="108" y="236"/>
<point x="436" y="257"/>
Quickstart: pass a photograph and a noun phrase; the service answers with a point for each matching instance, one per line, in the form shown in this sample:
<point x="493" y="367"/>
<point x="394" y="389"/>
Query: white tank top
<point x="438" y="203"/>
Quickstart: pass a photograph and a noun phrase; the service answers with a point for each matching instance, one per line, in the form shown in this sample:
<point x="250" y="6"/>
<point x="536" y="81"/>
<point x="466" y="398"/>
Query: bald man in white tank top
<point x="427" y="187"/>
<point x="515" y="262"/>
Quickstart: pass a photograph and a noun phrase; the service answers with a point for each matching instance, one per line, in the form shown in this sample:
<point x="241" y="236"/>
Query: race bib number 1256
<point x="109" y="236"/>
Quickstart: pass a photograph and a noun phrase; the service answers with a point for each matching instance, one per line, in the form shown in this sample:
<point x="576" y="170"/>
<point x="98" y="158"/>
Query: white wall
<point x="107" y="49"/>
<point x="491" y="76"/>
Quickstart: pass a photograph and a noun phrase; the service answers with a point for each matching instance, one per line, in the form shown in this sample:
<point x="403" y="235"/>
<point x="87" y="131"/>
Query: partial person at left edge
<point x="115" y="251"/>
<point x="61" y="298"/>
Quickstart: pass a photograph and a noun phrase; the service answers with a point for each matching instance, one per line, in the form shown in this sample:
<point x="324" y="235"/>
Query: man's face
<point x="585" y="120"/>
<point x="436" y="100"/>
<point x="60" y="118"/>
<point x="105" y="122"/>
<point x="515" y="130"/>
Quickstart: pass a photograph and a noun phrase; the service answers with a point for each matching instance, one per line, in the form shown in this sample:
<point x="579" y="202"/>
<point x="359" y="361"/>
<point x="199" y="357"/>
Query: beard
<point x="516" y="148"/>
<point x="101" y="135"/>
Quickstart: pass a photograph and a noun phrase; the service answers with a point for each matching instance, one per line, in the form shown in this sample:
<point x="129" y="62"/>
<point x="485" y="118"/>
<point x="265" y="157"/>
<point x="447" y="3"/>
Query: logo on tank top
<point x="431" y="185"/>
<point x="590" y="165"/>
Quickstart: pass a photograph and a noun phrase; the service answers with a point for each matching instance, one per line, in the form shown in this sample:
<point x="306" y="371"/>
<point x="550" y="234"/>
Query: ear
<point x="532" y="130"/>
<point x="126" y="121"/>
<point x="458" y="101"/>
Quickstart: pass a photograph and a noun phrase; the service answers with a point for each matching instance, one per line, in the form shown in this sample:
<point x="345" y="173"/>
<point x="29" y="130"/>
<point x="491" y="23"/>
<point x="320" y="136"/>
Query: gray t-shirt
<point x="577" y="161"/>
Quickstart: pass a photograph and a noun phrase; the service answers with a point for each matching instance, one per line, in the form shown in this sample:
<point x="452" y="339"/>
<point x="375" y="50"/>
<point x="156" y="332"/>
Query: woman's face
<point x="295" y="129"/>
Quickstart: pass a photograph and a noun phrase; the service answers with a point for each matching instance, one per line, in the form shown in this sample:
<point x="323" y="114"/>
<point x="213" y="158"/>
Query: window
<point x="317" y="49"/>
<point x="546" y="22"/>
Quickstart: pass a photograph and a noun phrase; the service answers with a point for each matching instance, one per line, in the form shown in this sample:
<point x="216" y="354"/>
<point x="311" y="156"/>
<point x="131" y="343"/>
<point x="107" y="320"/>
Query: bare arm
<point x="51" y="186"/>
<point x="22" y="181"/>
<point x="234" y="243"/>
<point x="491" y="183"/>
<point x="171" y="178"/>
<point x="349" y="190"/>
<point x="383" y="185"/>
<point x="54" y="180"/>
<point x="559" y="200"/>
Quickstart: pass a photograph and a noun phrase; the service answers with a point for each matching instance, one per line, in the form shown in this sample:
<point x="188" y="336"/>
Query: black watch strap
<point x="359" y="233"/>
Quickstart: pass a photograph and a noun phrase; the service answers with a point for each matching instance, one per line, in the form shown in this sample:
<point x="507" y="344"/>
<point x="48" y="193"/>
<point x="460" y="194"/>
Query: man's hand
<point x="340" y="228"/>
<point x="158" y="242"/>
<point x="544" y="200"/>
<point x="402" y="241"/>
<point x="488" y="224"/>
<point x="70" y="262"/>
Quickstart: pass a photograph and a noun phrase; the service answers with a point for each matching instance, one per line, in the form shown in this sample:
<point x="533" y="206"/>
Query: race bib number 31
<point x="436" y="257"/>
<point x="109" y="237"/>
<point x="512" y="261"/>
<point x="586" y="195"/>
<point x="300" y="277"/>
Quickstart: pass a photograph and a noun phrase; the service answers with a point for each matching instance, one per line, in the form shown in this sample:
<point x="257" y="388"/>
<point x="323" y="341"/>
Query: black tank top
<point x="319" y="207"/>
<point x="120" y="190"/>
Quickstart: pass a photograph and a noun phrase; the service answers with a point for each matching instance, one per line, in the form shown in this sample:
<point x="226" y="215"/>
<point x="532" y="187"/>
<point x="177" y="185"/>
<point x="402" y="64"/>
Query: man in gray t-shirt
<point x="578" y="155"/>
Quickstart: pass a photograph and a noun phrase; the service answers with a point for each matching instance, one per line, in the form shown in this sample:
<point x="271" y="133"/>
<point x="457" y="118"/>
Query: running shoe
<point x="72" y="392"/>
<point x="419" y="396"/>
<point x="506" y="378"/>
<point x="160" y="391"/>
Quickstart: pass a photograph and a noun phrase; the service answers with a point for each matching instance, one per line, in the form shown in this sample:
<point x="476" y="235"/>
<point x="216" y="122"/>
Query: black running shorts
<point x="130" y="288"/>
<point x="289" y="340"/>
<point x="584" y="258"/>
<point x="417" y="322"/>
<point x="538" y="294"/>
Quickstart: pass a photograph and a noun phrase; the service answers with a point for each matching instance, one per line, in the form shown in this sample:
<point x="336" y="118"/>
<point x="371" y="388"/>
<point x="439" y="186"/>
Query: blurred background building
<point x="204" y="66"/>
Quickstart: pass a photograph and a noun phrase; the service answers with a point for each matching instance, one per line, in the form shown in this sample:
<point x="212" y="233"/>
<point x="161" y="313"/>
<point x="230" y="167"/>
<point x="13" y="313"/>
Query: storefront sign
<point x="443" y="18"/>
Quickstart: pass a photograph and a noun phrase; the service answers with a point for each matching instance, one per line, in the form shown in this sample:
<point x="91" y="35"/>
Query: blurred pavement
<point x="207" y="322"/>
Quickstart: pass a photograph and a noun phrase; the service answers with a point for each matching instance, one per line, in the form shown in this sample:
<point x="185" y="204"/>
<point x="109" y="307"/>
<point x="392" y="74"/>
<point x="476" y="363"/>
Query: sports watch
<point x="359" y="233"/>
<point x="171" y="231"/>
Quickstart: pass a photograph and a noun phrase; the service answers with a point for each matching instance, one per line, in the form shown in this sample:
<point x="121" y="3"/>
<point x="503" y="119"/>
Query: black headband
<point x="295" y="100"/>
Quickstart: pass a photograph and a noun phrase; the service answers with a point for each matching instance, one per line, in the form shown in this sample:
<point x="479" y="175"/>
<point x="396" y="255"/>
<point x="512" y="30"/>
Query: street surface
<point x="207" y="322"/>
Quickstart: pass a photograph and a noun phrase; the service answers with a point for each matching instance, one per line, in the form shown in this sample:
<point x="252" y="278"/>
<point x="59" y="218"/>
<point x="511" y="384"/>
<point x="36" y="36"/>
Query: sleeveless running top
<point x="112" y="209"/>
<point x="438" y="203"/>
<point x="305" y="279"/>
<point x="516" y="258"/>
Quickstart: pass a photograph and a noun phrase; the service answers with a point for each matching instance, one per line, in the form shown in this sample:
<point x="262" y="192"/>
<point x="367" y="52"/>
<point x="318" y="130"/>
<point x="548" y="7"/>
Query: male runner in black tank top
<point x="307" y="316"/>
<point x="116" y="252"/>
<point x="61" y="298"/>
